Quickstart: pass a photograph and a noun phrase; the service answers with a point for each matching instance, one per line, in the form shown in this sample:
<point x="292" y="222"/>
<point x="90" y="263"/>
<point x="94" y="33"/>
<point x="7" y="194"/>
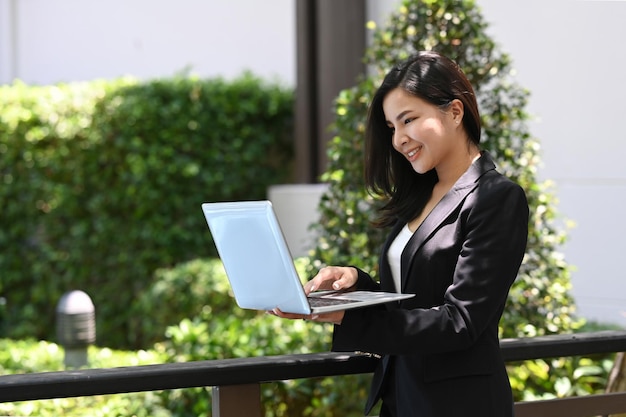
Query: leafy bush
<point x="214" y="328"/>
<point x="103" y="181"/>
<point x="31" y="356"/>
<point x="539" y="302"/>
<point x="217" y="329"/>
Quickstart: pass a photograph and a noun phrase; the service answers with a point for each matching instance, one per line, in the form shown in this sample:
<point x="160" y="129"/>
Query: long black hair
<point x="435" y="79"/>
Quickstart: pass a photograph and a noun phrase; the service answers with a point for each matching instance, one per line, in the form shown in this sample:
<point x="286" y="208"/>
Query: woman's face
<point x="425" y="134"/>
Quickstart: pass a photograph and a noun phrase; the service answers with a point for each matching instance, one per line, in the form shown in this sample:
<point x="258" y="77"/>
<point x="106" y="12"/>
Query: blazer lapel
<point x="449" y="202"/>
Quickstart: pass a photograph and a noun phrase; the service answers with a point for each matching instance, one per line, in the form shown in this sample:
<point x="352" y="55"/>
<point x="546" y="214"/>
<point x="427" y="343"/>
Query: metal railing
<point x="236" y="382"/>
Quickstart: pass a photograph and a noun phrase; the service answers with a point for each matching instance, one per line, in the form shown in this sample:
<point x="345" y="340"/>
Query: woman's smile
<point x="413" y="154"/>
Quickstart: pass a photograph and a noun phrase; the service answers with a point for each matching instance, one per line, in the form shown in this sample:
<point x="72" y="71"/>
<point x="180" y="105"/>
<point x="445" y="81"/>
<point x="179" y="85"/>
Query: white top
<point x="395" y="253"/>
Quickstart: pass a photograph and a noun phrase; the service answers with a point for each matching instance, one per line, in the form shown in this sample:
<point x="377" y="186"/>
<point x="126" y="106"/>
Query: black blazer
<point x="440" y="349"/>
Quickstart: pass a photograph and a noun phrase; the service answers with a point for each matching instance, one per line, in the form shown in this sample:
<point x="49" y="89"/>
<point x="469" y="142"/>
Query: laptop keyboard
<point x="323" y="302"/>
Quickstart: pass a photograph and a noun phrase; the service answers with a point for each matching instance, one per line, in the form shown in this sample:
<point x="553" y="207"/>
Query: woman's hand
<point x="328" y="278"/>
<point x="335" y="317"/>
<point x="333" y="278"/>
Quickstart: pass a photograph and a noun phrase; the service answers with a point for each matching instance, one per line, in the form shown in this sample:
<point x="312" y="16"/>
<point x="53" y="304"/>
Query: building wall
<point x="568" y="53"/>
<point x="49" y="41"/>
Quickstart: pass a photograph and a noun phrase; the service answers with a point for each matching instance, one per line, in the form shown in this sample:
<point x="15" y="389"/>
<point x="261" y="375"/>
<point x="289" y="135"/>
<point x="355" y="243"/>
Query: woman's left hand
<point x="335" y="317"/>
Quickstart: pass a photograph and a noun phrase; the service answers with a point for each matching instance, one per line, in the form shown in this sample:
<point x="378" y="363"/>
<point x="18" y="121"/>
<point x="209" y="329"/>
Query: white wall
<point x="72" y="40"/>
<point x="568" y="53"/>
<point x="296" y="209"/>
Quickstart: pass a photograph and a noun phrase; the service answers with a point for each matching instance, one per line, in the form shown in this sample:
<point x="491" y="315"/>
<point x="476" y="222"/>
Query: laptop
<point x="260" y="268"/>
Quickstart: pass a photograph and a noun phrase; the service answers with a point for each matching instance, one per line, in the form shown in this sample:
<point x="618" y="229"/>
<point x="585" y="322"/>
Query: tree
<point x="539" y="302"/>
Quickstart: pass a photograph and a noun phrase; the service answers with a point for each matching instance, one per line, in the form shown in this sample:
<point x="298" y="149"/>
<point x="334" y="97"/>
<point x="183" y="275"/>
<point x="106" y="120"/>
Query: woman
<point x="458" y="232"/>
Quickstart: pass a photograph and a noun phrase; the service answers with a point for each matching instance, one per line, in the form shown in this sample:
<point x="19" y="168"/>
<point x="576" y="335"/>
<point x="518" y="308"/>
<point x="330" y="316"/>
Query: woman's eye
<point x="407" y="121"/>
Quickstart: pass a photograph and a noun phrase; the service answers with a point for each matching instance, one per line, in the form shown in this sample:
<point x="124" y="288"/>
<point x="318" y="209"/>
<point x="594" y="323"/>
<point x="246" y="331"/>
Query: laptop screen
<point x="255" y="255"/>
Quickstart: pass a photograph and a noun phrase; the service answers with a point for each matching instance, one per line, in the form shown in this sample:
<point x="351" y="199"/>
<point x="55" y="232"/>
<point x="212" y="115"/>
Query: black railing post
<point x="237" y="400"/>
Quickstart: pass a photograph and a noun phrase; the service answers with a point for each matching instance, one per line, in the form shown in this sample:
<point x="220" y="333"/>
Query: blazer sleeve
<point x="494" y="225"/>
<point x="365" y="281"/>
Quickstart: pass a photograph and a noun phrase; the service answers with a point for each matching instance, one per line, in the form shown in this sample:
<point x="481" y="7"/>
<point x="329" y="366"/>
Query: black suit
<point x="441" y="354"/>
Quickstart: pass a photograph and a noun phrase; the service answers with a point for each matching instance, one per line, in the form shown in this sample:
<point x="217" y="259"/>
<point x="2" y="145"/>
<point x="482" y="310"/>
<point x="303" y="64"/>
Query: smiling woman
<point x="458" y="231"/>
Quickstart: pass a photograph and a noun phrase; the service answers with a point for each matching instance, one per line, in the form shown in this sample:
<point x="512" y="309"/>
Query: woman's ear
<point x="456" y="110"/>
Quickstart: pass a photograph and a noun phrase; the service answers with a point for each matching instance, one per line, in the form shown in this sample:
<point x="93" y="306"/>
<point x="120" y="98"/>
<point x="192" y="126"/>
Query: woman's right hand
<point x="333" y="278"/>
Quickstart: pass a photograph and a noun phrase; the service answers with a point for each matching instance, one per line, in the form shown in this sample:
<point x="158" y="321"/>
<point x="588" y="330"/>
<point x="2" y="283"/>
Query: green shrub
<point x="188" y="290"/>
<point x="540" y="302"/>
<point x="38" y="128"/>
<point x="27" y="356"/>
<point x="216" y="329"/>
<point x="103" y="181"/>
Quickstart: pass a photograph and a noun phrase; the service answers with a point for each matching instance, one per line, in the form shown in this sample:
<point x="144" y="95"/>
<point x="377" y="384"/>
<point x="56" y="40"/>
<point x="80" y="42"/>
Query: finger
<point x="335" y="317"/>
<point x="278" y="313"/>
<point x="317" y="285"/>
<point x="346" y="279"/>
<point x="322" y="281"/>
<point x="310" y="286"/>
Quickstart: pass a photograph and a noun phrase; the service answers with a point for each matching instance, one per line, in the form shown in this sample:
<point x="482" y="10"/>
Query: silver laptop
<point x="260" y="268"/>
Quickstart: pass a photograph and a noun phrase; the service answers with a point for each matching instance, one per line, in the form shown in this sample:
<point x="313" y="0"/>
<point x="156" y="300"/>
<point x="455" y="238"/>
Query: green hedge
<point x="25" y="356"/>
<point x="203" y="323"/>
<point x="215" y="328"/>
<point x="102" y="184"/>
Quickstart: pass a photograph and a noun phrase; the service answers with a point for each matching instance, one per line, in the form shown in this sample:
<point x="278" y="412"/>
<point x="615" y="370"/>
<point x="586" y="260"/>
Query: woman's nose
<point x="399" y="139"/>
